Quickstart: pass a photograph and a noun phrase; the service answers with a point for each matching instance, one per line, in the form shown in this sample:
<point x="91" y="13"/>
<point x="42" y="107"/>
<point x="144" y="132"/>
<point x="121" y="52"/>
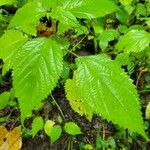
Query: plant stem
<point x="73" y="53"/>
<point x="78" y="43"/>
<point x="58" y="107"/>
<point x="103" y="135"/>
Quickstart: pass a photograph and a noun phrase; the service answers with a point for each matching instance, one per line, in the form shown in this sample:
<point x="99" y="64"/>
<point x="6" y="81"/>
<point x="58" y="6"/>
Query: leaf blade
<point x="10" y="46"/>
<point x="111" y="93"/>
<point x="134" y="41"/>
<point x="37" y="125"/>
<point x="89" y="9"/>
<point x="72" y="128"/>
<point x="26" y="18"/>
<point x="37" y="68"/>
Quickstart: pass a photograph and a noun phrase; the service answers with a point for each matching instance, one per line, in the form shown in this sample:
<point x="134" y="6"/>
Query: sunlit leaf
<point x="27" y="18"/>
<point x="134" y="41"/>
<point x="37" y="68"/>
<point x="103" y="85"/>
<point x="10" y="46"/>
<point x="48" y="127"/>
<point x="89" y="9"/>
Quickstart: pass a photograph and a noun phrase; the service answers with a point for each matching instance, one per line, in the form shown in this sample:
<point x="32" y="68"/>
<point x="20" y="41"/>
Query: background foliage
<point x="93" y="54"/>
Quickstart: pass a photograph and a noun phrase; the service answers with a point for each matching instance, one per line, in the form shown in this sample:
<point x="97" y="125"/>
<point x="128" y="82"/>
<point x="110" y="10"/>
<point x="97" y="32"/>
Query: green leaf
<point x="122" y="15"/>
<point x="106" y="36"/>
<point x="102" y="84"/>
<point x="37" y="68"/>
<point x="72" y="128"/>
<point x="147" y="113"/>
<point x="65" y="17"/>
<point x="37" y="125"/>
<point x="76" y="102"/>
<point x="66" y="71"/>
<point x="4" y="98"/>
<point x="134" y="41"/>
<point x="124" y="59"/>
<point x="56" y="133"/>
<point x="27" y="18"/>
<point x="6" y="2"/>
<point x="88" y="147"/>
<point x="125" y="2"/>
<point x="140" y="10"/>
<point x="148" y="8"/>
<point x="10" y="46"/>
<point x="48" y="127"/>
<point x="89" y="9"/>
<point x="53" y="131"/>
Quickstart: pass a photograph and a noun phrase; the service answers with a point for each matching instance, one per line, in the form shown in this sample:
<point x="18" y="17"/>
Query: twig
<point x="139" y="76"/>
<point x="58" y="107"/>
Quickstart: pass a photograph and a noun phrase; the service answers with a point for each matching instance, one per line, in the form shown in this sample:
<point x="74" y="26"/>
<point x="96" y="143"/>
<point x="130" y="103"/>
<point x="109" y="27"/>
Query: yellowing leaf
<point x="48" y="126"/>
<point x="3" y="133"/>
<point x="52" y="130"/>
<point x="76" y="102"/>
<point x="10" y="140"/>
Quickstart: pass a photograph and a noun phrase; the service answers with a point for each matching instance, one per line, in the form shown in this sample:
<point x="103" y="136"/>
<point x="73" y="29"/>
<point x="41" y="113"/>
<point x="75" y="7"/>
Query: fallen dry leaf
<point x="10" y="140"/>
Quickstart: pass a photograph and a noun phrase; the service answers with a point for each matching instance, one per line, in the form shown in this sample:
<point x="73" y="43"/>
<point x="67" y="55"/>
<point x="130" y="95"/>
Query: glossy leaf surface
<point x="134" y="41"/>
<point x="37" y="68"/>
<point x="109" y="91"/>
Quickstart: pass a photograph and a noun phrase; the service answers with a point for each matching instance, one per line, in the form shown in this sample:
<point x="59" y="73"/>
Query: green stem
<point x="104" y="135"/>
<point x="78" y="43"/>
<point x="73" y="53"/>
<point x="58" y="107"/>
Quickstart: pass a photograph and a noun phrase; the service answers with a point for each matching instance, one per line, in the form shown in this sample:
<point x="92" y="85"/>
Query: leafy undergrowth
<point x="74" y="74"/>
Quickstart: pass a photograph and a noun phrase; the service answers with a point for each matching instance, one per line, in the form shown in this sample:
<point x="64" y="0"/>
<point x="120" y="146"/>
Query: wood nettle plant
<point x="98" y="85"/>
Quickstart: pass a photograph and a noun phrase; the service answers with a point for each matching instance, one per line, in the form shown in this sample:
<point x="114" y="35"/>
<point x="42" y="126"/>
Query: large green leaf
<point x="103" y="85"/>
<point x="10" y="46"/>
<point x="89" y="9"/>
<point x="37" y="68"/>
<point x="26" y="18"/>
<point x="134" y="41"/>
